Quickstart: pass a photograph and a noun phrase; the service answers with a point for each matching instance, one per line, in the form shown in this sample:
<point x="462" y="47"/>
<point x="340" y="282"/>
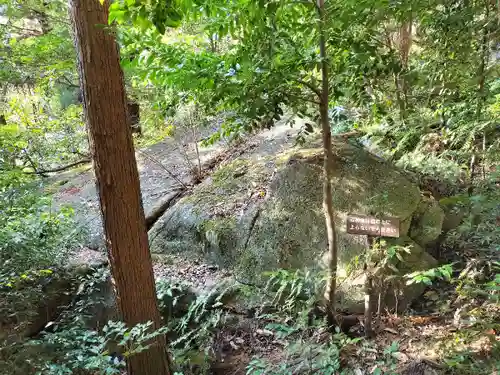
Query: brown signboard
<point x="372" y="226"/>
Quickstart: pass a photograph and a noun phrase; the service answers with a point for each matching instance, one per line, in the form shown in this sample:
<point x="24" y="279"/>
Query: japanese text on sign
<point x="384" y="227"/>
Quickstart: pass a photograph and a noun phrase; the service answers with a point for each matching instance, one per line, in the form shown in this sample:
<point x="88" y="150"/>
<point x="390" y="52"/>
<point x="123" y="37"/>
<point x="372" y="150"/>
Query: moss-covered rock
<point x="216" y="218"/>
<point x="256" y="214"/>
<point x="427" y="222"/>
<point x="454" y="209"/>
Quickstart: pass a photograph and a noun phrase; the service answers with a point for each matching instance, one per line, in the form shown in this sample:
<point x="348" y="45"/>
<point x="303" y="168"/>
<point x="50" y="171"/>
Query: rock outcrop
<point x="261" y="213"/>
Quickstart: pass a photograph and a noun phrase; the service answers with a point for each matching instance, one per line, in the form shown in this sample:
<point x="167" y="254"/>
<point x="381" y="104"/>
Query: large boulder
<point x="262" y="213"/>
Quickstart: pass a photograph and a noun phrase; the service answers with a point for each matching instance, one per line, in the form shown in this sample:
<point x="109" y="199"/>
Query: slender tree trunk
<point x="115" y="167"/>
<point x="405" y="42"/>
<point x="327" y="169"/>
<point x="368" y="302"/>
<point x="481" y="94"/>
<point x="195" y="140"/>
<point x="368" y="268"/>
<point x="399" y="98"/>
<point x="397" y="86"/>
<point x="481" y="74"/>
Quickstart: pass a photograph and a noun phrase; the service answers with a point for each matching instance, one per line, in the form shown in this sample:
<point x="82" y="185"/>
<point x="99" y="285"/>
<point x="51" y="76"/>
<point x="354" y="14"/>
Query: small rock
<point x="233" y="345"/>
<point x="264" y="332"/>
<point x="401" y="357"/>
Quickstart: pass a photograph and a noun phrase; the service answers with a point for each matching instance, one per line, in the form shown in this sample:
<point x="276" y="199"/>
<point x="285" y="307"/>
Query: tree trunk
<point x="482" y="90"/>
<point x="368" y="302"/>
<point x="327" y="169"/>
<point x="110" y="137"/>
<point x="405" y="42"/>
<point x="368" y="291"/>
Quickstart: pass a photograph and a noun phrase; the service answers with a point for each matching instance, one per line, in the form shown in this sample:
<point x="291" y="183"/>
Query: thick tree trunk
<point x="327" y="169"/>
<point x="117" y="178"/>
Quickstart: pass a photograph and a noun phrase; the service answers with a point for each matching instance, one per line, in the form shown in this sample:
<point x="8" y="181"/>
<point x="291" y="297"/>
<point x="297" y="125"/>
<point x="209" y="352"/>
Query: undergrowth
<point x="286" y="313"/>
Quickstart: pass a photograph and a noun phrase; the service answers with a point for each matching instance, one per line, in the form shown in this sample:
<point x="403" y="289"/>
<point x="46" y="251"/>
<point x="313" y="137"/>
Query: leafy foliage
<point x="33" y="234"/>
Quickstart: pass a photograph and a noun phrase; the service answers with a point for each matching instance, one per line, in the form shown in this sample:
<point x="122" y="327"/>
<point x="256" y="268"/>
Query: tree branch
<point x="67" y="82"/>
<point x="26" y="32"/>
<point x="59" y="169"/>
<point x="317" y="102"/>
<point x="310" y="86"/>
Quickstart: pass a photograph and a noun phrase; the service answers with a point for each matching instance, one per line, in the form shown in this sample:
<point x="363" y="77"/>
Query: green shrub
<point x="32" y="234"/>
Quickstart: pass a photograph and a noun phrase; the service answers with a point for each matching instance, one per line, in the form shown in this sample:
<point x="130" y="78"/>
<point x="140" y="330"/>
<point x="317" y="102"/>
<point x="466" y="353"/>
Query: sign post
<point x="371" y="227"/>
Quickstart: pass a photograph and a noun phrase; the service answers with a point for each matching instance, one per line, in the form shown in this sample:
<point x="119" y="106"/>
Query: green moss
<point x="247" y="267"/>
<point x="230" y="187"/>
<point x="218" y="224"/>
<point x="227" y="176"/>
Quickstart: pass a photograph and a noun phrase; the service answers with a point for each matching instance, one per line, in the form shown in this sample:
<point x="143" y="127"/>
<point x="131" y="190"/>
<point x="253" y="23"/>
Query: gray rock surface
<point x="263" y="211"/>
<point x="156" y="166"/>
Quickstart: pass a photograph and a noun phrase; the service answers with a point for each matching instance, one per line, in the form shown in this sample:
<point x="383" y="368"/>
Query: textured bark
<point x="327" y="169"/>
<point x="405" y="42"/>
<point x="110" y="137"/>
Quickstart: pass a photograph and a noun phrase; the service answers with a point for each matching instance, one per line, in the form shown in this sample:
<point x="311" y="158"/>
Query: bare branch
<point x="159" y="163"/>
<point x="58" y="169"/>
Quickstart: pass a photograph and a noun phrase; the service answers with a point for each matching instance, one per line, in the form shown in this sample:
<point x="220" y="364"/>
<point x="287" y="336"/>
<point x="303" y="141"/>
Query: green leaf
<point x="118" y="16"/>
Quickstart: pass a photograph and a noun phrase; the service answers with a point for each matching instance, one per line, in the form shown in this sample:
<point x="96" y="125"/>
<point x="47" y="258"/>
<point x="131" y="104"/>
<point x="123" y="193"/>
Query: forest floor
<point x="422" y="334"/>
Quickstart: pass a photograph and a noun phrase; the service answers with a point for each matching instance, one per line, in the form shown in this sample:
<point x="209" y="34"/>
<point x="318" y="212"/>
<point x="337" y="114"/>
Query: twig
<point x="303" y="98"/>
<point x="67" y="82"/>
<point x="31" y="162"/>
<point x="26" y="32"/>
<point x="150" y="158"/>
<point x="432" y="363"/>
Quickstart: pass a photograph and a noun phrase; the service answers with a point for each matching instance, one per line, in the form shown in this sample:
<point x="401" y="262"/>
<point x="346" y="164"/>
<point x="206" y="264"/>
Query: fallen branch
<point x="59" y="169"/>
